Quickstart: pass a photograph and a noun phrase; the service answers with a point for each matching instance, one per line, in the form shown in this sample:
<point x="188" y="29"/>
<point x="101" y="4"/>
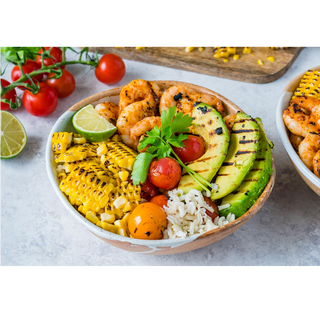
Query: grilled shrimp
<point x="316" y="164"/>
<point x="295" y="140"/>
<point x="132" y="114"/>
<point x="138" y="90"/>
<point x="143" y="126"/>
<point x="308" y="148"/>
<point x="185" y="99"/>
<point x="108" y="110"/>
<point x="311" y="104"/>
<point x="298" y="122"/>
<point x="229" y="120"/>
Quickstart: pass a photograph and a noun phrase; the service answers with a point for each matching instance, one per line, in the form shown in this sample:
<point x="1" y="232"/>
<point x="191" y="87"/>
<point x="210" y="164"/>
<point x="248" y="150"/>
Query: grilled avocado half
<point x="242" y="153"/>
<point x="209" y="124"/>
<point x="241" y="199"/>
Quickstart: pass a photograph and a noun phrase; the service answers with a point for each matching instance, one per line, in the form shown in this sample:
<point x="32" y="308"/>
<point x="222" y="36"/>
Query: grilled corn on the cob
<point x="309" y="85"/>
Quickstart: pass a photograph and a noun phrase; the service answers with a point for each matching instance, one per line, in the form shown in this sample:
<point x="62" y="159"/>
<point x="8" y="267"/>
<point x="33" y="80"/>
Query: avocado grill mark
<point x="244" y="120"/>
<point x="244" y="152"/>
<point x="223" y="174"/>
<point x="225" y="164"/>
<point x="248" y="141"/>
<point x="245" y="130"/>
<point x="260" y="159"/>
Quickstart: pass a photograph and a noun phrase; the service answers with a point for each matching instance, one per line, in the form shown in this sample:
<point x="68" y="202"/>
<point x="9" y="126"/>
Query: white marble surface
<point x="37" y="230"/>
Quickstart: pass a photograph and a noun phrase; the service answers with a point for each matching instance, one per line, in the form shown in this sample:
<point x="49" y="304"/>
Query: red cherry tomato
<point x="55" y="52"/>
<point x="110" y="69"/>
<point x="161" y="200"/>
<point x="148" y="190"/>
<point x="11" y="95"/>
<point x="28" y="67"/>
<point x="42" y="103"/>
<point x="212" y="204"/>
<point x="193" y="150"/>
<point x="64" y="85"/>
<point x="165" y="173"/>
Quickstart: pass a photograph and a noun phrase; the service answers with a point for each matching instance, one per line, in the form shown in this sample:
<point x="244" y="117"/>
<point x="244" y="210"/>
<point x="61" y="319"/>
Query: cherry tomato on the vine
<point x="64" y="85"/>
<point x="148" y="190"/>
<point x="161" y="200"/>
<point x="193" y="150"/>
<point x="42" y="103"/>
<point x="212" y="204"/>
<point x="28" y="67"/>
<point x="11" y="95"/>
<point x="55" y="52"/>
<point x="164" y="173"/>
<point x="110" y="69"/>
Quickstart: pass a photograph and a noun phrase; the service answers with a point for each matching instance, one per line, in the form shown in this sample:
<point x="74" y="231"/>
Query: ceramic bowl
<point x="157" y="247"/>
<point x="308" y="176"/>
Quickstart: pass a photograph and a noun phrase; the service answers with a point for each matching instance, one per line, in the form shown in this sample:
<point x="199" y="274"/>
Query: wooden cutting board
<point x="245" y="69"/>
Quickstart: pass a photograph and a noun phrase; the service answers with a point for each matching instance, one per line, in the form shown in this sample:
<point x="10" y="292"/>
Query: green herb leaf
<point x="167" y="118"/>
<point x="141" y="167"/>
<point x="177" y="140"/>
<point x="163" y="151"/>
<point x="181" y="123"/>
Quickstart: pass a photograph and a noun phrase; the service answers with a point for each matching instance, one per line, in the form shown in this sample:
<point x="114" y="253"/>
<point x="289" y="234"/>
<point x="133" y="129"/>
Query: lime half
<point x="91" y="125"/>
<point x="13" y="135"/>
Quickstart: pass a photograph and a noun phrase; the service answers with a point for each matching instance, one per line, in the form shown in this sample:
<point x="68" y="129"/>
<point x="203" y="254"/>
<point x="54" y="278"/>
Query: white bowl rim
<point x="283" y="132"/>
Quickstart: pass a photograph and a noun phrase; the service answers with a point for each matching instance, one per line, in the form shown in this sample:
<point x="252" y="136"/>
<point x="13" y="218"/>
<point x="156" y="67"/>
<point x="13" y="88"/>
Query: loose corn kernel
<point x="109" y="227"/>
<point x="61" y="176"/>
<point x="91" y="217"/>
<point x="270" y="58"/>
<point x="225" y="60"/>
<point x="236" y="57"/>
<point x="116" y="138"/>
<point x="189" y="49"/>
<point x="140" y="46"/>
<point x="232" y="50"/>
<point x="260" y="62"/>
<point x="79" y="140"/>
<point x="201" y="49"/>
<point x="102" y="149"/>
<point x="122" y="232"/>
<point x="120" y="202"/>
<point x="127" y="207"/>
<point x="247" y="50"/>
<point x="108" y="217"/>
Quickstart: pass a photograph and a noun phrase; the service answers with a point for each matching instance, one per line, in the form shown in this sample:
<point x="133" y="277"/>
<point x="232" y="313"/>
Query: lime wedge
<point x="91" y="125"/>
<point x="13" y="135"/>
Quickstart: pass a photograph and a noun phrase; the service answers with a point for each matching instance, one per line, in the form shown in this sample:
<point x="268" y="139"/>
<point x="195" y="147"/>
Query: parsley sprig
<point x="160" y="142"/>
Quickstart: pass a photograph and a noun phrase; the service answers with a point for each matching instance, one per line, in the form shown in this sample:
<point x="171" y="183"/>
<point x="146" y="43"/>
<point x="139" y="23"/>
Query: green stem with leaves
<point x="90" y="61"/>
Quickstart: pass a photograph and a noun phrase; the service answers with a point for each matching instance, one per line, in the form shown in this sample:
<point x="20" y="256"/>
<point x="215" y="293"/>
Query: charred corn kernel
<point x="61" y="176"/>
<point x="91" y="217"/>
<point x="277" y="48"/>
<point x="140" y="46"/>
<point x="236" y="57"/>
<point x="309" y="85"/>
<point x="223" y="52"/>
<point x="76" y="153"/>
<point x="120" y="202"/>
<point x="109" y="227"/>
<point x="270" y="58"/>
<point x="189" y="49"/>
<point x="260" y="62"/>
<point x="247" y="50"/>
<point x="102" y="149"/>
<point x="201" y="49"/>
<point x="225" y="60"/>
<point x="116" y="138"/>
<point x="61" y="141"/>
<point x="123" y="175"/>
<point x="108" y="217"/>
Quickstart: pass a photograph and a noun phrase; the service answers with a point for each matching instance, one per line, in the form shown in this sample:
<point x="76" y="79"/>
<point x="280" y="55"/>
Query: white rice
<point x="187" y="216"/>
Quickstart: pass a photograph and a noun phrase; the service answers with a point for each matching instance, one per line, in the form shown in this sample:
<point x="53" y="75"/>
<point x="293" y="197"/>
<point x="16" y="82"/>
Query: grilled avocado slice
<point x="209" y="124"/>
<point x="241" y="199"/>
<point x="241" y="156"/>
